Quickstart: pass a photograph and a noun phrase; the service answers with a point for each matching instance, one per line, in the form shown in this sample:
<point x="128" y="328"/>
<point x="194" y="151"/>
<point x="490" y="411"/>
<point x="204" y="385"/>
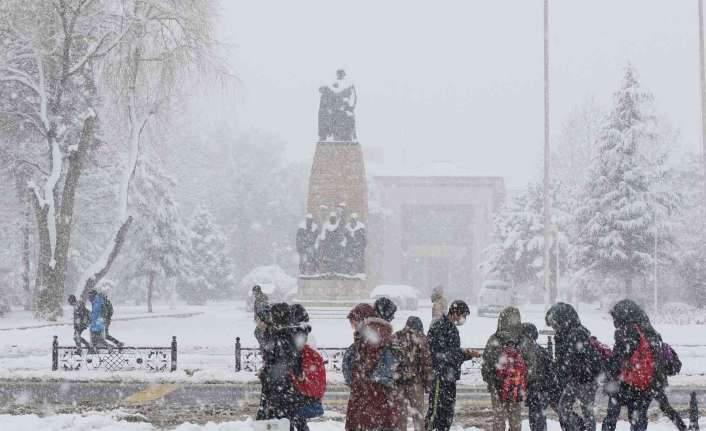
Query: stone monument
<point x="332" y="239"/>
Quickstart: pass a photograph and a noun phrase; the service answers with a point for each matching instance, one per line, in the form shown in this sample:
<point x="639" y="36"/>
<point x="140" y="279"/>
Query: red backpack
<point x="312" y="382"/>
<point x="511" y="372"/>
<point x="637" y="372"/>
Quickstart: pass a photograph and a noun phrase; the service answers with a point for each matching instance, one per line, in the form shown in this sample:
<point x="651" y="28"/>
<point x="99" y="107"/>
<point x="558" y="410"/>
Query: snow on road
<point x="206" y="341"/>
<point x="113" y="422"/>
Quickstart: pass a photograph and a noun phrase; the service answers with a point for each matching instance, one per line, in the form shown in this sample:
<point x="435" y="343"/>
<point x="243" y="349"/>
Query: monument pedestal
<point x="337" y="177"/>
<point x="332" y="292"/>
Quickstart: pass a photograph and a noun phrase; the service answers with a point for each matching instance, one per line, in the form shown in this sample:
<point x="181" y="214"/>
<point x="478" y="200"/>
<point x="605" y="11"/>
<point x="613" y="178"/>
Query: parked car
<point x="275" y="283"/>
<point x="405" y="297"/>
<point x="494" y="297"/>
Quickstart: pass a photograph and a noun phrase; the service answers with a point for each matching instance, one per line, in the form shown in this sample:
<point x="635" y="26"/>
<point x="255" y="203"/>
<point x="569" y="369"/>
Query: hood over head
<point x="562" y="316"/>
<point x="509" y="324"/>
<point x="361" y="312"/>
<point x="627" y="312"/>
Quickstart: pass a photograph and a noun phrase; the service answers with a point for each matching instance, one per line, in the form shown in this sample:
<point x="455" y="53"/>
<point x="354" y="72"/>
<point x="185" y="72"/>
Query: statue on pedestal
<point x="356" y="241"/>
<point x="336" y="110"/>
<point x="306" y="245"/>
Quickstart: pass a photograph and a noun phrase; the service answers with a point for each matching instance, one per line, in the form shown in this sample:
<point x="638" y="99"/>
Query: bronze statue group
<point x="391" y="375"/>
<point x="334" y="246"/>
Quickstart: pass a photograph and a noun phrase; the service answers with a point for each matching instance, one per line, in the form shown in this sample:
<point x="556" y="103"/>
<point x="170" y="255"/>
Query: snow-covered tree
<point x="64" y="67"/>
<point x="209" y="274"/>
<point x="622" y="198"/>
<point x="157" y="247"/>
<point x="516" y="256"/>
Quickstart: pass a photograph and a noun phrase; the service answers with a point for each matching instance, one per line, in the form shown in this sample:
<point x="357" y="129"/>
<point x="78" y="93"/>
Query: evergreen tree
<point x="517" y="254"/>
<point x="208" y="277"/>
<point x="622" y="198"/>
<point x="159" y="244"/>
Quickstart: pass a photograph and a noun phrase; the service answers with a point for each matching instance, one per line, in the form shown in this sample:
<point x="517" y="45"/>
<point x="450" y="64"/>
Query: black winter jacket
<point x="577" y="361"/>
<point x="446" y="353"/>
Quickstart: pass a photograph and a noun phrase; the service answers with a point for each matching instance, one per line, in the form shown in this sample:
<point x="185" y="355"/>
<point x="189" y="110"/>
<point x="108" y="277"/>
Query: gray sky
<point x="456" y="80"/>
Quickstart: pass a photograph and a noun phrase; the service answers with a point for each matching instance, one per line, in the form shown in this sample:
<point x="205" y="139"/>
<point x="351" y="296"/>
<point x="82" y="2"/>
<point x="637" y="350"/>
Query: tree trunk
<point x="53" y="263"/>
<point x="26" y="264"/>
<point x="150" y="286"/>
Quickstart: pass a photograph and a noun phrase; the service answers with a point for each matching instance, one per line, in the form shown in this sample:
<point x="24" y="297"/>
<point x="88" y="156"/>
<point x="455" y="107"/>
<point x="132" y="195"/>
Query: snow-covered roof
<point x="394" y="291"/>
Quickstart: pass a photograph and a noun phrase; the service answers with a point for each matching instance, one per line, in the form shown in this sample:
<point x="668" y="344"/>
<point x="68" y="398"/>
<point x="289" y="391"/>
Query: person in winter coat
<point x="447" y="356"/>
<point x="438" y="303"/>
<point x="540" y="382"/>
<point x="372" y="405"/>
<point x="414" y="374"/>
<point x="101" y="316"/>
<point x="634" y="364"/>
<point x="504" y="370"/>
<point x="356" y="317"/>
<point x="280" y="360"/>
<point x="302" y="403"/>
<point x="81" y="320"/>
<point x="578" y="365"/>
<point x="260" y="300"/>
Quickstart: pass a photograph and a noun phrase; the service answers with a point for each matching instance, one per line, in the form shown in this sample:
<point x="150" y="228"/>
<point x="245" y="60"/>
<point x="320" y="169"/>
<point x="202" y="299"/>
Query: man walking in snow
<point x="81" y="320"/>
<point x="447" y="357"/>
<point x="101" y="316"/>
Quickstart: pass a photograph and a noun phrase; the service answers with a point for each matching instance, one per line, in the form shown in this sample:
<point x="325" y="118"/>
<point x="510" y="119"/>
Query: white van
<point x="494" y="297"/>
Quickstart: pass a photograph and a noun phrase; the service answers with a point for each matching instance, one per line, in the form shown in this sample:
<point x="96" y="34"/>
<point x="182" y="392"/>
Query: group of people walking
<point x="391" y="374"/>
<point x="518" y="370"/>
<point x="97" y="321"/>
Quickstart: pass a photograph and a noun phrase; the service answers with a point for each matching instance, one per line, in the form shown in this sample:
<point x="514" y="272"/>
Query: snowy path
<point x="206" y="341"/>
<point x="117" y="421"/>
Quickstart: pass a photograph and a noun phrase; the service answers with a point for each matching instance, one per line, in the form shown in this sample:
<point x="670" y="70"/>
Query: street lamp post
<point x="547" y="215"/>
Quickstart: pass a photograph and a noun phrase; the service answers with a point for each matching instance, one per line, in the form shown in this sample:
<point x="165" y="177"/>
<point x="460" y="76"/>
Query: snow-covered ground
<point x="206" y="339"/>
<point x="115" y="421"/>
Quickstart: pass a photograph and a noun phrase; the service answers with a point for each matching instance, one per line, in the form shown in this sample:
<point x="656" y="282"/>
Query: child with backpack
<point x="504" y="370"/>
<point x="636" y="353"/>
<point x="309" y="376"/>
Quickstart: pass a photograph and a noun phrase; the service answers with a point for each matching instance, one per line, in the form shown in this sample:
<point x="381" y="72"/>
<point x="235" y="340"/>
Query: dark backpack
<point x="107" y="311"/>
<point x="670" y="360"/>
<point x="511" y="372"/>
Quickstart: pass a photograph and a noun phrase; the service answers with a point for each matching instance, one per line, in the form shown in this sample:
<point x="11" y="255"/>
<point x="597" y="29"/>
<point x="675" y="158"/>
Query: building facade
<point x="431" y="230"/>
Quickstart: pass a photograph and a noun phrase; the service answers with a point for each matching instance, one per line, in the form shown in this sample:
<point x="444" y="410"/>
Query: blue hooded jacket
<point x="97" y="324"/>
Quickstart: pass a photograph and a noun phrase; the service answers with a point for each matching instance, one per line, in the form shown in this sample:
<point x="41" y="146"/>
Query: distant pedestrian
<point x="372" y="405"/>
<point x="447" y="357"/>
<point x="260" y="299"/>
<point x="263" y="324"/>
<point x="578" y="365"/>
<point x="414" y="373"/>
<point x="505" y="364"/>
<point x="81" y="320"/>
<point x="438" y="303"/>
<point x="101" y="317"/>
